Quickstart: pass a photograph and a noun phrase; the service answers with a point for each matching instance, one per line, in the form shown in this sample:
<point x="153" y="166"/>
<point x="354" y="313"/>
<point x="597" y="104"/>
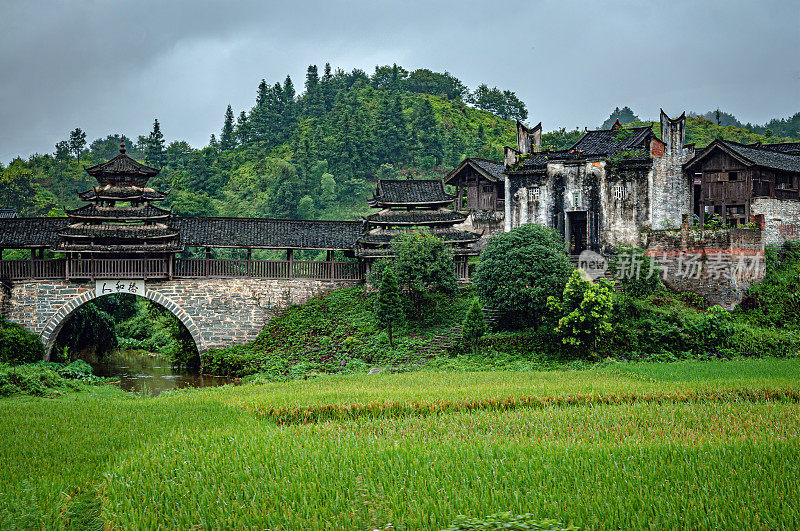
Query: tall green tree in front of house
<point x="474" y="326"/>
<point x="519" y="270"/>
<point x="388" y="307"/>
<point x="424" y="265"/>
<point x="584" y="312"/>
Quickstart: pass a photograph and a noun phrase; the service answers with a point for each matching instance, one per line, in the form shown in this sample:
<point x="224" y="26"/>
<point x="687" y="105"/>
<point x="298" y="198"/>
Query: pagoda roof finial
<point x="122" y="149"/>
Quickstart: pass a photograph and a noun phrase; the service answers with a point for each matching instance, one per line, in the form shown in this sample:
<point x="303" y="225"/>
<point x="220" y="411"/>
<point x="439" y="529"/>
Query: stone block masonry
<point x="218" y="312"/>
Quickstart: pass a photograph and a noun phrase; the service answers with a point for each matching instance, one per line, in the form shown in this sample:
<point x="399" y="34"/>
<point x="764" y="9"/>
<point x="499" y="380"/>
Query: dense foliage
<point x="519" y="270"/>
<point x="584" y="313"/>
<point x="388" y="308"/>
<point x="18" y="344"/>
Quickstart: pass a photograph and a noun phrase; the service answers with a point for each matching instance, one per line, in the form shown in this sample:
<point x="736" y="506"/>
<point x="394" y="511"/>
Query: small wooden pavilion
<point x="408" y="204"/>
<point x="120" y="225"/>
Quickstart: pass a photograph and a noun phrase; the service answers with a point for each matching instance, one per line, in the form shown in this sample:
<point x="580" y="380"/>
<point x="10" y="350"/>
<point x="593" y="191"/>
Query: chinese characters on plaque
<point x="107" y="287"/>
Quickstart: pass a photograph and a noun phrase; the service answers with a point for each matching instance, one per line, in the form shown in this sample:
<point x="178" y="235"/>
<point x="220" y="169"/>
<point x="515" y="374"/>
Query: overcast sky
<point x="112" y="67"/>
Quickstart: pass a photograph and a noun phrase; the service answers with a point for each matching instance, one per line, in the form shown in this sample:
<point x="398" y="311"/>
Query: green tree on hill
<point x="624" y="116"/>
<point x="154" y="151"/>
<point x="226" y="138"/>
<point x="77" y="141"/>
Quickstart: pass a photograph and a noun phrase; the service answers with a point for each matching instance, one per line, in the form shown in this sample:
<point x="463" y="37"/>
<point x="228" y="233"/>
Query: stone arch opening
<point x="54" y="325"/>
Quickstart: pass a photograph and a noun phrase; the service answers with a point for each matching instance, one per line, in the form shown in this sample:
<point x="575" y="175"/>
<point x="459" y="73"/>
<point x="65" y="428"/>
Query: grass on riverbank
<point x="212" y="458"/>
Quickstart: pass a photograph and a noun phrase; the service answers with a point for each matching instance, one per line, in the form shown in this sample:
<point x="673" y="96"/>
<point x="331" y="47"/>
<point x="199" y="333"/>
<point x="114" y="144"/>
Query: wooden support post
<point x="290" y="259"/>
<point x="329" y="259"/>
<point x="249" y="262"/>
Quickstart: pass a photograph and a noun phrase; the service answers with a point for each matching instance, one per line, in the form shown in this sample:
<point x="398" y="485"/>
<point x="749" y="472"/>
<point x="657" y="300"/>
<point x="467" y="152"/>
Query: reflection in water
<point x="150" y="374"/>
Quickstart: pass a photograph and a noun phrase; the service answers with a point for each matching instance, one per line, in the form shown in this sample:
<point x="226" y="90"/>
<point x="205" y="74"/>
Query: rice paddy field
<point x="692" y="445"/>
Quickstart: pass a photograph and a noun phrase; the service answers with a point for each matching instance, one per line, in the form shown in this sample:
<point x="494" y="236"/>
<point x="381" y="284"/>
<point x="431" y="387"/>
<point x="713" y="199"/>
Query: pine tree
<point x="77" y="141"/>
<point x="474" y="326"/>
<point x="242" y="132"/>
<point x="391" y="131"/>
<point x="388" y="307"/>
<point x="62" y="150"/>
<point x="154" y="147"/>
<point x="429" y="140"/>
<point x="312" y="78"/>
<point x="226" y="139"/>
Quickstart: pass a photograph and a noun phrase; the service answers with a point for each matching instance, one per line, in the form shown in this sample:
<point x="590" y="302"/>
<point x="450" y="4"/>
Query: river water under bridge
<point x="150" y="374"/>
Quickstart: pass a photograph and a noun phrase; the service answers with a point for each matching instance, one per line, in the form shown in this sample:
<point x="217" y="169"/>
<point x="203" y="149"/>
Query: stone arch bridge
<point x="217" y="312"/>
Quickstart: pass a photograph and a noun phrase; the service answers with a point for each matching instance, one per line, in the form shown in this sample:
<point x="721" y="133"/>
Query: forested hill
<point x="317" y="154"/>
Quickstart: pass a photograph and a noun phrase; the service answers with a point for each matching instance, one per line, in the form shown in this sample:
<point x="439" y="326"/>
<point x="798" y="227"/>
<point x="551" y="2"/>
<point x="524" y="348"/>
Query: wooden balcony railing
<point x="32" y="269"/>
<point x="268" y="269"/>
<point x="118" y="268"/>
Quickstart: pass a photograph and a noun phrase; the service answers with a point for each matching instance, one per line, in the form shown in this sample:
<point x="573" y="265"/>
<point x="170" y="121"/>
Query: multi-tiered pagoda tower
<point x="408" y="204"/>
<point x="119" y="233"/>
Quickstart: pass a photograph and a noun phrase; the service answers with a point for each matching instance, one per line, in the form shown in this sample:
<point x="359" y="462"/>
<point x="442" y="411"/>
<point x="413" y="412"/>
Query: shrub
<point x="388" y="308"/>
<point x="585" y="313"/>
<point x="423" y="264"/>
<point x="637" y="273"/>
<point x="474" y="326"/>
<point x="18" y="344"/>
<point x="519" y="270"/>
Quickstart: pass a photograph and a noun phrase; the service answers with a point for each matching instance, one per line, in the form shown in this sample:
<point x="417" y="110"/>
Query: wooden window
<point x="533" y="193"/>
<point x="488" y="188"/>
<point x="733" y="176"/>
<point x="619" y="192"/>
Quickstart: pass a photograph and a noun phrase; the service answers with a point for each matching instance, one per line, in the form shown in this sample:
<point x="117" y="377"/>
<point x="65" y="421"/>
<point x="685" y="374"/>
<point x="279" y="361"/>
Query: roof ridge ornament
<point x="122" y="149"/>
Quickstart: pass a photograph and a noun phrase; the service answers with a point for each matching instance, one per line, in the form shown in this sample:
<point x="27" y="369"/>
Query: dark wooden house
<point x="738" y="182"/>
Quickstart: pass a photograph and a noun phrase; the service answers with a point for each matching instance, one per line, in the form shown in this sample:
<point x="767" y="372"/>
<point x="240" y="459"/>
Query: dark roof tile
<point x="422" y="191"/>
<point x="267" y="233"/>
<point x="24" y="233"/>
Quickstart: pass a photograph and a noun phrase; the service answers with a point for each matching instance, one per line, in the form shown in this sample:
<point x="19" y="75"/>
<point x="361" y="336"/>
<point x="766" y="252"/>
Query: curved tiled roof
<point x="267" y="233"/>
<point x="100" y="212"/>
<point x="402" y="192"/>
<point x="606" y="142"/>
<point x="418" y="217"/>
<point x="25" y="233"/>
<point x="763" y="156"/>
<point x="121" y="165"/>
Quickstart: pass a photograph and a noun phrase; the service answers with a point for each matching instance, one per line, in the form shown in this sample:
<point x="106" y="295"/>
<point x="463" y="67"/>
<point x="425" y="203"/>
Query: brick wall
<point x="217" y="312"/>
<point x="719" y="265"/>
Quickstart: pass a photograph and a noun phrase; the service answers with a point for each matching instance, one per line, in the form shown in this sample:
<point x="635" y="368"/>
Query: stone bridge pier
<point x="217" y="312"/>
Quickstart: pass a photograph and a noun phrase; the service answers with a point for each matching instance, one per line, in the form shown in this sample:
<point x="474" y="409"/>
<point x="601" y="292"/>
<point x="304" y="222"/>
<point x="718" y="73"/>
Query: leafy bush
<point x="776" y="299"/>
<point x="635" y="271"/>
<point x="474" y="326"/>
<point x="18" y="344"/>
<point x="519" y="270"/>
<point x="37" y="379"/>
<point x="508" y="522"/>
<point x="584" y="313"/>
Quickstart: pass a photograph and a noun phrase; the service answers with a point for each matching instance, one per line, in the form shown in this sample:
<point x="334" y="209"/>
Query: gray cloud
<point x="114" y="66"/>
